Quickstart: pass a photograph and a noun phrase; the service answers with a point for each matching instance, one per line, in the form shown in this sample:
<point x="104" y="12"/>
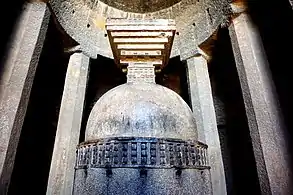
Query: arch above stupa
<point x="85" y="21"/>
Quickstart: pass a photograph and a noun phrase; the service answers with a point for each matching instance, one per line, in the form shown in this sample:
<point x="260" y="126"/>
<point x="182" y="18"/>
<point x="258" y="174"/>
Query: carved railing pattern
<point x="142" y="152"/>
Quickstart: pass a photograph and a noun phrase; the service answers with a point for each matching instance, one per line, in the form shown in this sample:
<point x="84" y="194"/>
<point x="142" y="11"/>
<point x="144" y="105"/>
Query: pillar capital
<point x="237" y="8"/>
<point x="197" y="53"/>
<point x="73" y="49"/>
<point x="77" y="49"/>
<point x="189" y="47"/>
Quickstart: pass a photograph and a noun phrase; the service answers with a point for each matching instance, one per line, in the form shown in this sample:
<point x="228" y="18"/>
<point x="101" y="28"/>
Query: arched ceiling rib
<point x="140" y="6"/>
<point x="84" y="20"/>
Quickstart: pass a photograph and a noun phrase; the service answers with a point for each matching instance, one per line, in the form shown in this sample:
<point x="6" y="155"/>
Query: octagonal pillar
<point x="62" y="170"/>
<point x="267" y="130"/>
<point x="17" y="74"/>
<point x="203" y="108"/>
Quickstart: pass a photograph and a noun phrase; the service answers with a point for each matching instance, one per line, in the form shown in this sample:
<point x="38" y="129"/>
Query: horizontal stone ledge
<point x="140" y="52"/>
<point x="140" y="28"/>
<point x="141" y="40"/>
<point x="140" y="46"/>
<point x="138" y="22"/>
<point x="142" y="34"/>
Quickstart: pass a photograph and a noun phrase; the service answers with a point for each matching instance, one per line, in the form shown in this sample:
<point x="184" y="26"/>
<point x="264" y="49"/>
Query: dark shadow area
<point x="275" y="24"/>
<point x="239" y="162"/>
<point x="9" y="12"/>
<point x="173" y="76"/>
<point x="34" y="153"/>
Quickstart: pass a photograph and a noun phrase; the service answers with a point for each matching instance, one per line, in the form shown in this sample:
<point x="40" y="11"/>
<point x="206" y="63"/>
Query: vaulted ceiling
<point x="84" y="20"/>
<point x="140" y="6"/>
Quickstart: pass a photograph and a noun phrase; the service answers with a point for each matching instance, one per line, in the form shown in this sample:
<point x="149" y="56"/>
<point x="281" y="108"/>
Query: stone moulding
<point x="123" y="152"/>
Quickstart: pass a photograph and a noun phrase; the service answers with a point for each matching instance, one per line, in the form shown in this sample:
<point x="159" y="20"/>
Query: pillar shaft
<point x="68" y="130"/>
<point x="17" y="74"/>
<point x="263" y="112"/>
<point x="204" y="112"/>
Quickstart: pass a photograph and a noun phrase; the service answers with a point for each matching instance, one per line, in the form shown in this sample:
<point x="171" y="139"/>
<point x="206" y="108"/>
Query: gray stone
<point x="84" y="21"/>
<point x="265" y="122"/>
<point x="141" y="138"/>
<point x="68" y="130"/>
<point x="141" y="6"/>
<point x="148" y="110"/>
<point x="187" y="41"/>
<point x="220" y="110"/>
<point x="204" y="112"/>
<point x="124" y="181"/>
<point x="142" y="152"/>
<point x="16" y="81"/>
<point x="291" y="3"/>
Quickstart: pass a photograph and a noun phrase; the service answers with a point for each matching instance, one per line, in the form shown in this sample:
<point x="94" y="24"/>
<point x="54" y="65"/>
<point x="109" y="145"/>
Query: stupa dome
<point x="141" y="110"/>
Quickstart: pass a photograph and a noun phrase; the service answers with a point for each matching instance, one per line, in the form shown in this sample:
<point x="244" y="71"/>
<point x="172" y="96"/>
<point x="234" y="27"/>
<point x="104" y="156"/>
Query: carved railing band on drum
<point x="141" y="152"/>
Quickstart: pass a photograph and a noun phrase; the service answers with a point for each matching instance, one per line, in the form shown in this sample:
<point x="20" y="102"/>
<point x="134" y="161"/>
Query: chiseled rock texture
<point x="19" y="66"/>
<point x="267" y="130"/>
<point x="85" y="21"/>
<point x="141" y="6"/>
<point x="140" y="182"/>
<point x="68" y="130"/>
<point x="141" y="110"/>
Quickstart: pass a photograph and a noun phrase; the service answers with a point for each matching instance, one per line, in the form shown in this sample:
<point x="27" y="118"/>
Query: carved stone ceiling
<point x="84" y="20"/>
<point x="140" y="6"/>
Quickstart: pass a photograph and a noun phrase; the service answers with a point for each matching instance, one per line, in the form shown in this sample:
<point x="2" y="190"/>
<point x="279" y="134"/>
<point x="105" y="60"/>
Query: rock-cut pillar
<point x="265" y="122"/>
<point x="202" y="104"/>
<point x="17" y="74"/>
<point x="203" y="108"/>
<point x="61" y="175"/>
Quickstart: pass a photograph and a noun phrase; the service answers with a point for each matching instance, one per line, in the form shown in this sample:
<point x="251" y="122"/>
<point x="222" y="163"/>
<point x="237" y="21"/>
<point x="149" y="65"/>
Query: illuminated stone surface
<point x="19" y="68"/>
<point x="141" y="138"/>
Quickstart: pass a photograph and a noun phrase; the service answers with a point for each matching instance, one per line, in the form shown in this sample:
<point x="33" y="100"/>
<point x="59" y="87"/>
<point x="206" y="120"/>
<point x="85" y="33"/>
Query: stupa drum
<point x="140" y="139"/>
